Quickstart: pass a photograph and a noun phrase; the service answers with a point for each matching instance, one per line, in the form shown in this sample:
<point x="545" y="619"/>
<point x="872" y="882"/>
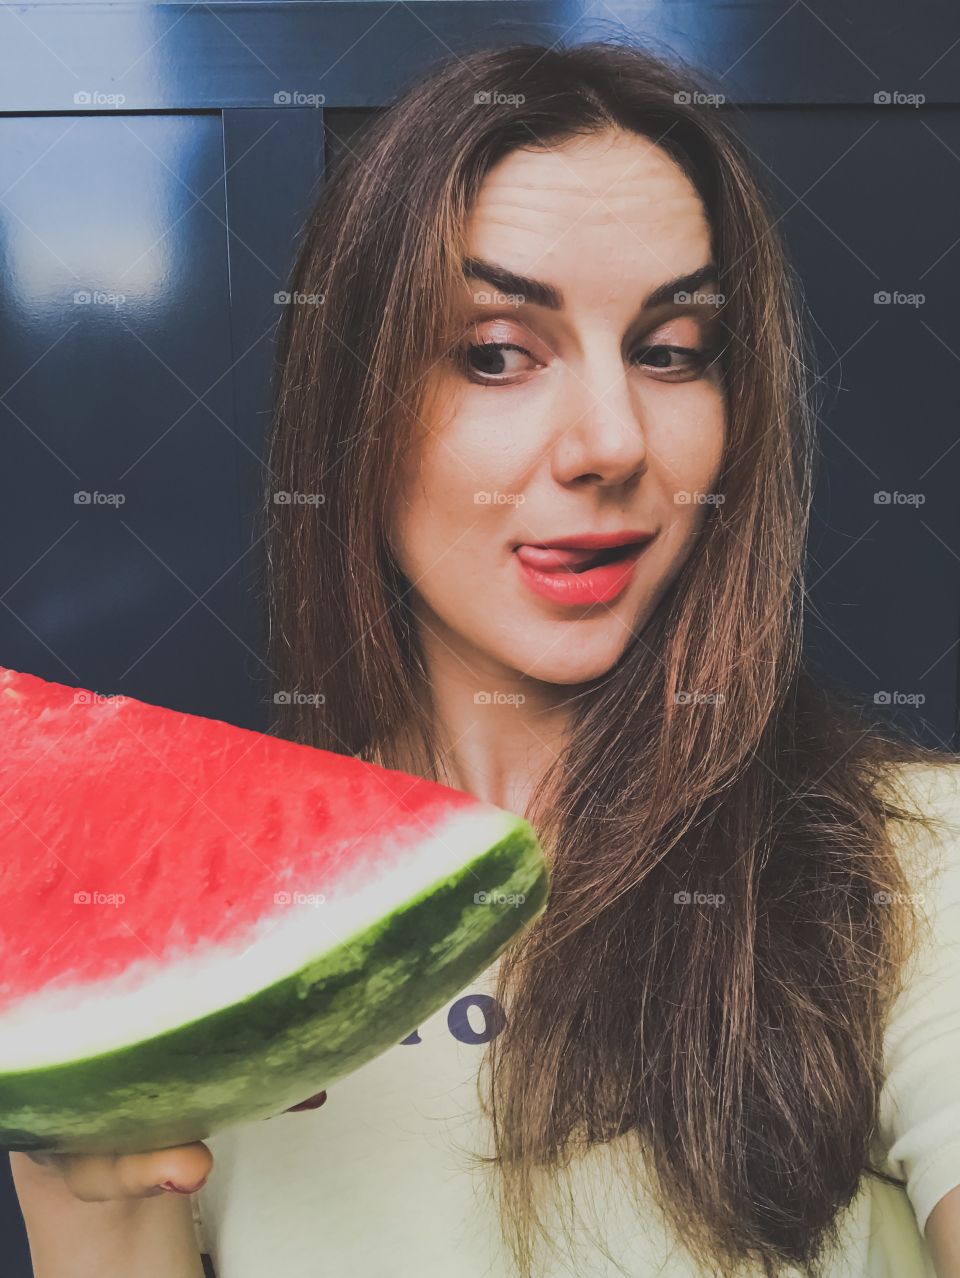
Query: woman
<point x="554" y="307"/>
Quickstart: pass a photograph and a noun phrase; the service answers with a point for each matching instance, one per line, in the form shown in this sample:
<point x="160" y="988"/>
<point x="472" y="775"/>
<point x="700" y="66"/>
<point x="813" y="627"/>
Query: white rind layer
<point x="86" y="1019"/>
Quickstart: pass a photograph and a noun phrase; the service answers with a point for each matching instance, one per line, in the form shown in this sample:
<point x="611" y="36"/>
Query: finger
<point x="183" y="1169"/>
<point x="101" y="1177"/>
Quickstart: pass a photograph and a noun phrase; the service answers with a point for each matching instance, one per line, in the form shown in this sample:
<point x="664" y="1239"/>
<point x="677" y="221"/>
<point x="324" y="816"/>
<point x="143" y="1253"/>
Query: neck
<point x="498" y="730"/>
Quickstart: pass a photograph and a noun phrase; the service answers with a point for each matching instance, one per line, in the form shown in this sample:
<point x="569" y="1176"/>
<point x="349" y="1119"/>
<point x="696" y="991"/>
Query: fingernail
<point x="179" y="1189"/>
<point x="313" y="1102"/>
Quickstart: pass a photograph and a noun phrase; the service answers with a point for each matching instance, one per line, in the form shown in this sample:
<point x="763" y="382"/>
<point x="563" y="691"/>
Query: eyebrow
<point x="539" y="293"/>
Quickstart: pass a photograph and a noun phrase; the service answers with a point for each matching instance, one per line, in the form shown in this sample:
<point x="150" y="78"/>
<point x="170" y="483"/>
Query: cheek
<point x="689" y="441"/>
<point x="491" y="447"/>
<point x="487" y="435"/>
<point x="447" y="510"/>
<point x="687" y="455"/>
<point x="465" y="486"/>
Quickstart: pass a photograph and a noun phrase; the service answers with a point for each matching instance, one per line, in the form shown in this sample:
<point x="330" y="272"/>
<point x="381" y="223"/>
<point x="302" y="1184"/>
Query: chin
<point x="577" y="668"/>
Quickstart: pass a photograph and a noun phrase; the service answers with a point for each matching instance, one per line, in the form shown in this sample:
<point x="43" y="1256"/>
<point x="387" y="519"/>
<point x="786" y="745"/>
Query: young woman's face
<point x="585" y="422"/>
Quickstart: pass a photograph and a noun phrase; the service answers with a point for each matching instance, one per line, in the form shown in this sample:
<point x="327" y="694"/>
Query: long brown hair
<point x="738" y="1047"/>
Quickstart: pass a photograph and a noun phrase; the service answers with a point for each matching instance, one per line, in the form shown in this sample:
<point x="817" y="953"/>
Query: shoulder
<point x="919" y="1117"/>
<point x="929" y="852"/>
<point x="933" y="786"/>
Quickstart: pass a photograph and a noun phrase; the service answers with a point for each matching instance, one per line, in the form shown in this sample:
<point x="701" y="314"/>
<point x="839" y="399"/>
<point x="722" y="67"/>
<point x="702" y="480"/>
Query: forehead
<point x="596" y="209"/>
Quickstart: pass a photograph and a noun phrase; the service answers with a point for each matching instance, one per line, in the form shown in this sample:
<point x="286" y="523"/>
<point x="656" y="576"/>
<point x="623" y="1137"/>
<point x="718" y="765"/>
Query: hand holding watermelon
<point x="98" y="1178"/>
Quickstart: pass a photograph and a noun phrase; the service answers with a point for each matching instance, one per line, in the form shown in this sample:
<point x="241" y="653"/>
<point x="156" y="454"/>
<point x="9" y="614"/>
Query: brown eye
<point x="662" y="358"/>
<point x="490" y="362"/>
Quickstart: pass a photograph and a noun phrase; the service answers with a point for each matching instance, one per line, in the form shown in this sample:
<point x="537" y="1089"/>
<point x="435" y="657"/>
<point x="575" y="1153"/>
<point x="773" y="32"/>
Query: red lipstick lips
<point x="594" y="541"/>
<point x="584" y="569"/>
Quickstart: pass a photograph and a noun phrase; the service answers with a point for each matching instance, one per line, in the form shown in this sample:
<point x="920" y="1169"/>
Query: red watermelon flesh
<point x="202" y="925"/>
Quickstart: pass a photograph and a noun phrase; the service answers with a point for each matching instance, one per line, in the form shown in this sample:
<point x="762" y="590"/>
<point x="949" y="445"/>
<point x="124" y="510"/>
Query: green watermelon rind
<point x="260" y="1055"/>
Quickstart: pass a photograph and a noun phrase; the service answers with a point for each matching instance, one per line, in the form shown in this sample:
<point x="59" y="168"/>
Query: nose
<point x="601" y="435"/>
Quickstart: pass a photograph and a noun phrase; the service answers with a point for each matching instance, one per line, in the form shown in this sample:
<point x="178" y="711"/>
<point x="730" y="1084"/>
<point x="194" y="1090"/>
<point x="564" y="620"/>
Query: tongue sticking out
<point x="553" y="559"/>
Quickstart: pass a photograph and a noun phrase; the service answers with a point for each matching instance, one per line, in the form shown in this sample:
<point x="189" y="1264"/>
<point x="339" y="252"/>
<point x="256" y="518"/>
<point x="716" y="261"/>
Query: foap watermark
<point x="683" y="497"/>
<point x="698" y="898"/>
<point x="313" y="899"/>
<point x="699" y="299"/>
<point x="295" y="97"/>
<point x="897" y="698"/>
<point x="899" y="499"/>
<point x="896" y="298"/>
<point x="96" y="98"/>
<point x="99" y="898"/>
<point x="894" y="97"/>
<point x="899" y="898"/>
<point x="696" y="97"/>
<point x="684" y="698"/>
<point x="498" y="698"/>
<point x="82" y="697"/>
<point x="99" y="297"/>
<point x="283" y="298"/>
<point x="299" y="699"/>
<point x="499" y="898"/>
<point x="493" y="97"/>
<point x="95" y="498"/>
<point x="483" y="297"/>
<point x="284" y="498"/>
<point x="498" y="499"/>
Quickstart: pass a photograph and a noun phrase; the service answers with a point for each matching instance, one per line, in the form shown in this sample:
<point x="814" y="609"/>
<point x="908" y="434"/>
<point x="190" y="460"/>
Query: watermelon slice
<point x="202" y="925"/>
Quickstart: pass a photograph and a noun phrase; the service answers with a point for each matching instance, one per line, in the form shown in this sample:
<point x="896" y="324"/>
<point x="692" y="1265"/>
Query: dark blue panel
<point x="356" y="54"/>
<point x="242" y="54"/>
<point x="115" y="361"/>
<point x="13" y="1236"/>
<point x="280" y="152"/>
<point x="868" y="203"/>
<point x="801" y="51"/>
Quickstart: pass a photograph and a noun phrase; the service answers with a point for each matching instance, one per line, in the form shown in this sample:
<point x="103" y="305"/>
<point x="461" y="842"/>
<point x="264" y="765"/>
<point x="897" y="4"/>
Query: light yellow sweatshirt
<point x="377" y="1182"/>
